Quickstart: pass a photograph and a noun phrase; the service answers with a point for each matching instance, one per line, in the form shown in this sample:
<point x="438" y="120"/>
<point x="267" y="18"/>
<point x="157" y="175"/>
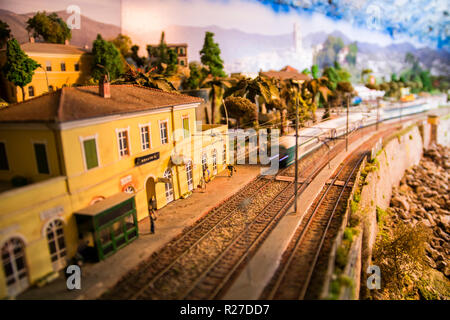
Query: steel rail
<point x="302" y="233"/>
<point x="184" y="252"/>
<point x="301" y="296"/>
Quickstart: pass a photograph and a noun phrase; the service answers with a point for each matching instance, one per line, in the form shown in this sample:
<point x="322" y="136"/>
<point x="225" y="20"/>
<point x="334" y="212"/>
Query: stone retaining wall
<point x="399" y="153"/>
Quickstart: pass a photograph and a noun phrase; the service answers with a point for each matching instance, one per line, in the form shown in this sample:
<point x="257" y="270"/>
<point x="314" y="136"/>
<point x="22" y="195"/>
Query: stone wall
<point x="402" y="151"/>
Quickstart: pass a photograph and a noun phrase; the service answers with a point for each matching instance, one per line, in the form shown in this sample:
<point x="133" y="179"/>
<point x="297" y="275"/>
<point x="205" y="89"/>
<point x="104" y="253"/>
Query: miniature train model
<point x="312" y="138"/>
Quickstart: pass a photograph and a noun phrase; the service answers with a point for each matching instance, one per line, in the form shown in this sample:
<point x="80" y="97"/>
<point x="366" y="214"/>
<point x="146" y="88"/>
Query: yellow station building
<point x="78" y="169"/>
<point x="61" y="65"/>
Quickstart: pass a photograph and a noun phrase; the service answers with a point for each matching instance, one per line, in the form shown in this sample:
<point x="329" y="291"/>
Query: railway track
<point x="203" y="261"/>
<point x="293" y="277"/>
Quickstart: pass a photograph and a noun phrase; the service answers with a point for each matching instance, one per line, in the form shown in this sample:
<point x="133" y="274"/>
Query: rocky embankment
<point x="423" y="197"/>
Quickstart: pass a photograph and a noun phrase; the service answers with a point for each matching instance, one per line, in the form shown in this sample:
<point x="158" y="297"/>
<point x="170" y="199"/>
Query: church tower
<point x="297" y="38"/>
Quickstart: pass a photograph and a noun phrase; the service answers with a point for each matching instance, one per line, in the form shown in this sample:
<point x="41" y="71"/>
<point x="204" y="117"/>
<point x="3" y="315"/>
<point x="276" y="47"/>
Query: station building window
<point x="214" y="161"/>
<point x="4" y="165"/>
<point x="40" y="152"/>
<point x="90" y="152"/>
<point x="76" y="67"/>
<point x="56" y="243"/>
<point x="190" y="180"/>
<point x="164" y="131"/>
<point x="186" y="131"/>
<point x="63" y="66"/>
<point x="31" y="91"/>
<point x="224" y="154"/>
<point x="123" y="142"/>
<point x="14" y="266"/>
<point x="204" y="163"/>
<point x="48" y="65"/>
<point x="169" y="186"/>
<point x="145" y="137"/>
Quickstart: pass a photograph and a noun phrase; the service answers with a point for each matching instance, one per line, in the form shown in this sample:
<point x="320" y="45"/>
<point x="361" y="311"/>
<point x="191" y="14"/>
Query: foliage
<point x="106" y="59"/>
<point x="164" y="58"/>
<point x="195" y="77"/>
<point x="210" y="56"/>
<point x="19" y="68"/>
<point x="351" y="56"/>
<point x="123" y="43"/>
<point x="139" y="61"/>
<point x="400" y="253"/>
<point x="239" y="107"/>
<point x="329" y="53"/>
<point x="50" y="27"/>
<point x="315" y="71"/>
<point x="5" y="33"/>
<point x="147" y="79"/>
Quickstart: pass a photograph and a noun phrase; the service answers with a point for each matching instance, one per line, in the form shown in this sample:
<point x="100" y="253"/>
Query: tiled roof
<point x="53" y="48"/>
<point x="78" y="103"/>
<point x="283" y="75"/>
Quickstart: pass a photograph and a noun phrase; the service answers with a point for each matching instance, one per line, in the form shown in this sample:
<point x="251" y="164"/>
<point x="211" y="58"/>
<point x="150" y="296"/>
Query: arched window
<point x="224" y="154"/>
<point x="190" y="180"/>
<point x="31" y="91"/>
<point x="129" y="189"/>
<point x="169" y="186"/>
<point x="56" y="243"/>
<point x="214" y="161"/>
<point x="14" y="266"/>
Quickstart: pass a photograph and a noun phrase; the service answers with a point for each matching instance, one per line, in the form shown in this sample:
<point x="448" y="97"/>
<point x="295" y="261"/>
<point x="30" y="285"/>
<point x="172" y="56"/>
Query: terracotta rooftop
<point x="78" y="103"/>
<point x="287" y="72"/>
<point x="42" y="47"/>
<point x="283" y="75"/>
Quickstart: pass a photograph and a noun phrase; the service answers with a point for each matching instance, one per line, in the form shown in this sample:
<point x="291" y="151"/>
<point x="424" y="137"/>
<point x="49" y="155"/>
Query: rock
<point x="441" y="266"/>
<point x="401" y="202"/>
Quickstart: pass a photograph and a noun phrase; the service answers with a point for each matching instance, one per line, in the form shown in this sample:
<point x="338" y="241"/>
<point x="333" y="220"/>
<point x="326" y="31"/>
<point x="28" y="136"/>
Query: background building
<point x="62" y="65"/>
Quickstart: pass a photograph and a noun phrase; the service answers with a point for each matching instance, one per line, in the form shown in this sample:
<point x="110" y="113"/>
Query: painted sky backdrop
<point x="257" y="35"/>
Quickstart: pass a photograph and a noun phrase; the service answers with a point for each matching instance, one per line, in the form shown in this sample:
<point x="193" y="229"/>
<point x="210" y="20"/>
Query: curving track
<point x="293" y="277"/>
<point x="204" y="260"/>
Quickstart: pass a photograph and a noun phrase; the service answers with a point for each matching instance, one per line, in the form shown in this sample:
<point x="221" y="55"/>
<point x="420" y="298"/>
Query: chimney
<point x="104" y="89"/>
<point x="66" y="42"/>
<point x="31" y="39"/>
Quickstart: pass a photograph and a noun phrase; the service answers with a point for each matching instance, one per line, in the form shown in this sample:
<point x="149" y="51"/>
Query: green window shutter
<point x="186" y="127"/>
<point x="90" y="152"/>
<point x="41" y="158"/>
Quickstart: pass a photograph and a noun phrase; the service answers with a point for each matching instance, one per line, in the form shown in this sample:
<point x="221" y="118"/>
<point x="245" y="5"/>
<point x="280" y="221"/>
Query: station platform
<point x="96" y="278"/>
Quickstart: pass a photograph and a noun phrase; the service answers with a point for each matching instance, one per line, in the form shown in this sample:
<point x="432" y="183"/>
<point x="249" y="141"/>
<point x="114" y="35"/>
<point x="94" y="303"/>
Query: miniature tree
<point x="5" y="33"/>
<point x="139" y="61"/>
<point x="50" y="27"/>
<point x="123" y="43"/>
<point x="210" y="56"/>
<point x="195" y="77"/>
<point x="106" y="61"/>
<point x="166" y="59"/>
<point x="239" y="108"/>
<point x="19" y="68"/>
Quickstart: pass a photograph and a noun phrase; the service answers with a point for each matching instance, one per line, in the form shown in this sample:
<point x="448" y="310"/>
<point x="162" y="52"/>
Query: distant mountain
<point x="233" y="43"/>
<point x="80" y="37"/>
